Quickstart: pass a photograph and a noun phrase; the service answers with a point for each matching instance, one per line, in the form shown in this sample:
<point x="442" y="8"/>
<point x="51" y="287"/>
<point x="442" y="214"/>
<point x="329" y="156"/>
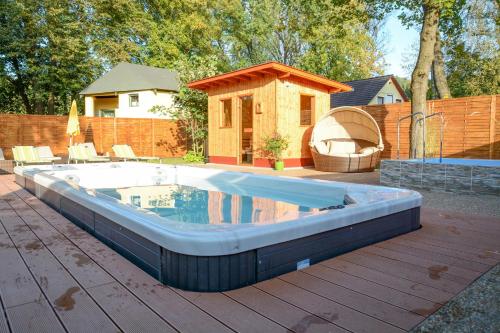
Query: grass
<point x="171" y="160"/>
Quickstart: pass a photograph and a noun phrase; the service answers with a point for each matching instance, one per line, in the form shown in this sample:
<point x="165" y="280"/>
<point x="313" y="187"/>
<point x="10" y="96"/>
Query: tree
<point x="471" y="52"/>
<point x="51" y="49"/>
<point x="438" y="70"/>
<point x="191" y="106"/>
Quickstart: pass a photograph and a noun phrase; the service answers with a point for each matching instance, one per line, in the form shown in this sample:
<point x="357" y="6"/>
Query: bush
<point x="275" y="144"/>
<point x="193" y="157"/>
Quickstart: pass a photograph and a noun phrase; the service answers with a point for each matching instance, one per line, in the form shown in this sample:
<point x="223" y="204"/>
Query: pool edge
<point x="232" y="271"/>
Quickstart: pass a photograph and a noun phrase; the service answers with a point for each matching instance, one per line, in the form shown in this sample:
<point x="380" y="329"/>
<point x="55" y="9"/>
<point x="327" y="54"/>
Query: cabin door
<point x="246" y="130"/>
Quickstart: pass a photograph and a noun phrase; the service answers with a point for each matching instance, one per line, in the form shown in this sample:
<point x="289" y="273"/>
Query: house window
<point x="389" y="99"/>
<point x="398" y="100"/>
<point x="380" y="100"/>
<point x="306" y="110"/>
<point x="104" y="113"/>
<point x="133" y="100"/>
<point x="226" y="113"/>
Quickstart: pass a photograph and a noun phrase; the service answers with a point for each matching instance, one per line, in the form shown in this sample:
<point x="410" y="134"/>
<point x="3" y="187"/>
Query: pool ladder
<point x="423" y="118"/>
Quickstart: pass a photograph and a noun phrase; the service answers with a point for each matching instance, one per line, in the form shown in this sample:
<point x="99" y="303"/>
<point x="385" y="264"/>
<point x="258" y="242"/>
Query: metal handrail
<point x="441" y="131"/>
<point x="423" y="129"/>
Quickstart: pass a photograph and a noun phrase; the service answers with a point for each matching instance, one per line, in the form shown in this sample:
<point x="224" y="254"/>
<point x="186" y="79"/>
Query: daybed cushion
<point x="342" y="146"/>
<point x="368" y="150"/>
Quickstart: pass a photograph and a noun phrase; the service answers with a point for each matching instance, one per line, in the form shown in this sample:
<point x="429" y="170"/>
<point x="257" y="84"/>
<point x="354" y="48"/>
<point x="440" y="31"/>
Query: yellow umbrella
<point x="73" y="125"/>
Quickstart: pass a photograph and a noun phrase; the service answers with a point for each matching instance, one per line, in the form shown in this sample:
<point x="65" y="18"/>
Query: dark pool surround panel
<point x="226" y="272"/>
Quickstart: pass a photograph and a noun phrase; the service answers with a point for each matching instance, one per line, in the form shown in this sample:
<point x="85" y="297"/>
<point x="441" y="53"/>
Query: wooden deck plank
<point x="127" y="311"/>
<point x="485" y="225"/>
<point x="180" y="313"/>
<point x="394" y="282"/>
<point x="17" y="285"/>
<point x="4" y="326"/>
<point x="34" y="317"/>
<point x="487" y="254"/>
<point x="464" y="238"/>
<point x="331" y="311"/>
<point x="382" y="293"/>
<point x="464" y="275"/>
<point x="287" y="315"/>
<point x="438" y="257"/>
<point x="435" y="249"/>
<point x="386" y="287"/>
<point x="88" y="273"/>
<point x="237" y="316"/>
<point x="397" y="268"/>
<point x="373" y="307"/>
<point x="72" y="304"/>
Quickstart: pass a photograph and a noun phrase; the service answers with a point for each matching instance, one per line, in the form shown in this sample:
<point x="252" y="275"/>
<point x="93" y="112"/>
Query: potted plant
<point x="274" y="145"/>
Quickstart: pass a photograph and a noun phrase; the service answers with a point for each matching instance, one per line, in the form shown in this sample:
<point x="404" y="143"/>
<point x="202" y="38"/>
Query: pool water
<point x="460" y="161"/>
<point x="190" y="204"/>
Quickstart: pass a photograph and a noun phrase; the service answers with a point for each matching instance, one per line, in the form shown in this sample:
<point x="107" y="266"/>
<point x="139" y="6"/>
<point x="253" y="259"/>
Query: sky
<point x="398" y="42"/>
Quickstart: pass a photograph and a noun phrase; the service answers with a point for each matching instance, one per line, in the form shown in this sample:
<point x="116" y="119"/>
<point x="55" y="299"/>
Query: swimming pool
<point x="459" y="175"/>
<point x="211" y="230"/>
<point x="460" y="161"/>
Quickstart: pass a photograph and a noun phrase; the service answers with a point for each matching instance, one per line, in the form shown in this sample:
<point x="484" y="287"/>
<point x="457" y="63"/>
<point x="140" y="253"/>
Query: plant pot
<point x="279" y="165"/>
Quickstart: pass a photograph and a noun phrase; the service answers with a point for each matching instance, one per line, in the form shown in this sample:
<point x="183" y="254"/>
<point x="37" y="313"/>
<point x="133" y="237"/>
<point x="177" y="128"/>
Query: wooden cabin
<point x="247" y="105"/>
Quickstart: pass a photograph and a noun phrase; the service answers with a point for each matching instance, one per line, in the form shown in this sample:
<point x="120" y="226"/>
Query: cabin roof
<point x="132" y="77"/>
<point x="273" y="68"/>
<point x="364" y="91"/>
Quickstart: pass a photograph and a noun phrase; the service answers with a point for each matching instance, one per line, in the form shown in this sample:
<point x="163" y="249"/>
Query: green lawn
<point x="172" y="160"/>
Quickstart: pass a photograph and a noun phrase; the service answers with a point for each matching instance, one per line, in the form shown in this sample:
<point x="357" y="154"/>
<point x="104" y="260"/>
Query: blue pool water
<point x="193" y="205"/>
<point x="461" y="161"/>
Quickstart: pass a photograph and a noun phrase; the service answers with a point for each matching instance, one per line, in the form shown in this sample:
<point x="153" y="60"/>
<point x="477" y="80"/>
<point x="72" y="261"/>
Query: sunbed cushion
<point x="346" y="146"/>
<point x="368" y="150"/>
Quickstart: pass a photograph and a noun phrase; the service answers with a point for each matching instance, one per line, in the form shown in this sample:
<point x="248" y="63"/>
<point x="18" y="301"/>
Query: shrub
<point x="194" y="157"/>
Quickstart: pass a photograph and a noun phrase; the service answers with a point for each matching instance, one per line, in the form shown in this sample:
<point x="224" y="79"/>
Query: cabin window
<point x="133" y="100"/>
<point x="226" y="113"/>
<point x="389" y="99"/>
<point x="398" y="100"/>
<point x="380" y="100"/>
<point x="306" y="110"/>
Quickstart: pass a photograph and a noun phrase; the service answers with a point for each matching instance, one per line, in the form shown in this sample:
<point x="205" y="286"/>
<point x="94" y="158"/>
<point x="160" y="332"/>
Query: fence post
<point x="493" y="109"/>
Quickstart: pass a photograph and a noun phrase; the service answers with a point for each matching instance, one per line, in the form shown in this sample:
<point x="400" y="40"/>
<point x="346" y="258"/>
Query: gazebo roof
<point x="273" y="68"/>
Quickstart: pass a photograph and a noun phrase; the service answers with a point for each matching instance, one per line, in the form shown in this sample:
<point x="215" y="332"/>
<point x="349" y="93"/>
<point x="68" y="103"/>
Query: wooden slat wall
<point x="288" y="114"/>
<point x="155" y="137"/>
<point x="472" y="127"/>
<point x="226" y="141"/>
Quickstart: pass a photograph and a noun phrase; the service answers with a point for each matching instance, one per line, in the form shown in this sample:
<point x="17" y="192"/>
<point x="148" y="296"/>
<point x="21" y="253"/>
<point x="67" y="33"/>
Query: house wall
<point x="288" y="124"/>
<point x="224" y="143"/>
<point x="147" y="99"/>
<point x="387" y="89"/>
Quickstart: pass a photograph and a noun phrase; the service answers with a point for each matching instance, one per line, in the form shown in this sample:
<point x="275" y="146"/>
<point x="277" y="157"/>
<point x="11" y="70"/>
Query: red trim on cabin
<point x="298" y="162"/>
<point x="223" y="160"/>
<point x="263" y="162"/>
<point x="282" y="72"/>
<point x="289" y="162"/>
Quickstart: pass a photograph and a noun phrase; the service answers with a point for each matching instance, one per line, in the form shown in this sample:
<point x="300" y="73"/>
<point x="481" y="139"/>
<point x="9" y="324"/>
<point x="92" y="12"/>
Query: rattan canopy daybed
<point x="346" y="139"/>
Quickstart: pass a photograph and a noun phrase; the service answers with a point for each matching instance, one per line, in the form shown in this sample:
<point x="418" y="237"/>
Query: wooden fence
<point x="472" y="127"/>
<point x="472" y="130"/>
<point x="149" y="137"/>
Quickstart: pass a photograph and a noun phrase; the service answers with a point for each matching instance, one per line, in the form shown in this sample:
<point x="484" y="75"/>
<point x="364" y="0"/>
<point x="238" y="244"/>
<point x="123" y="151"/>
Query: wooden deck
<point x="55" y="277"/>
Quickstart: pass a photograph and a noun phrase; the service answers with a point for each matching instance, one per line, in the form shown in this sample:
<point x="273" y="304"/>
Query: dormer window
<point x="133" y="100"/>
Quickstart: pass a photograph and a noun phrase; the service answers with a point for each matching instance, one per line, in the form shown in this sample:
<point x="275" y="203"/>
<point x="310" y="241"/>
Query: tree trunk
<point x="439" y="76"/>
<point x="420" y="75"/>
<point x="50" y="104"/>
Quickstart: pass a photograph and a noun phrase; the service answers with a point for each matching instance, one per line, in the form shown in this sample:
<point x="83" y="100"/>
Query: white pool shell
<point x="76" y="184"/>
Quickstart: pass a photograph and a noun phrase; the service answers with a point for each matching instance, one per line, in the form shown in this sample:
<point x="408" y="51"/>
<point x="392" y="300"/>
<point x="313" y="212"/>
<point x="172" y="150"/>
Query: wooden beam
<point x="284" y="76"/>
<point x="493" y="109"/>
